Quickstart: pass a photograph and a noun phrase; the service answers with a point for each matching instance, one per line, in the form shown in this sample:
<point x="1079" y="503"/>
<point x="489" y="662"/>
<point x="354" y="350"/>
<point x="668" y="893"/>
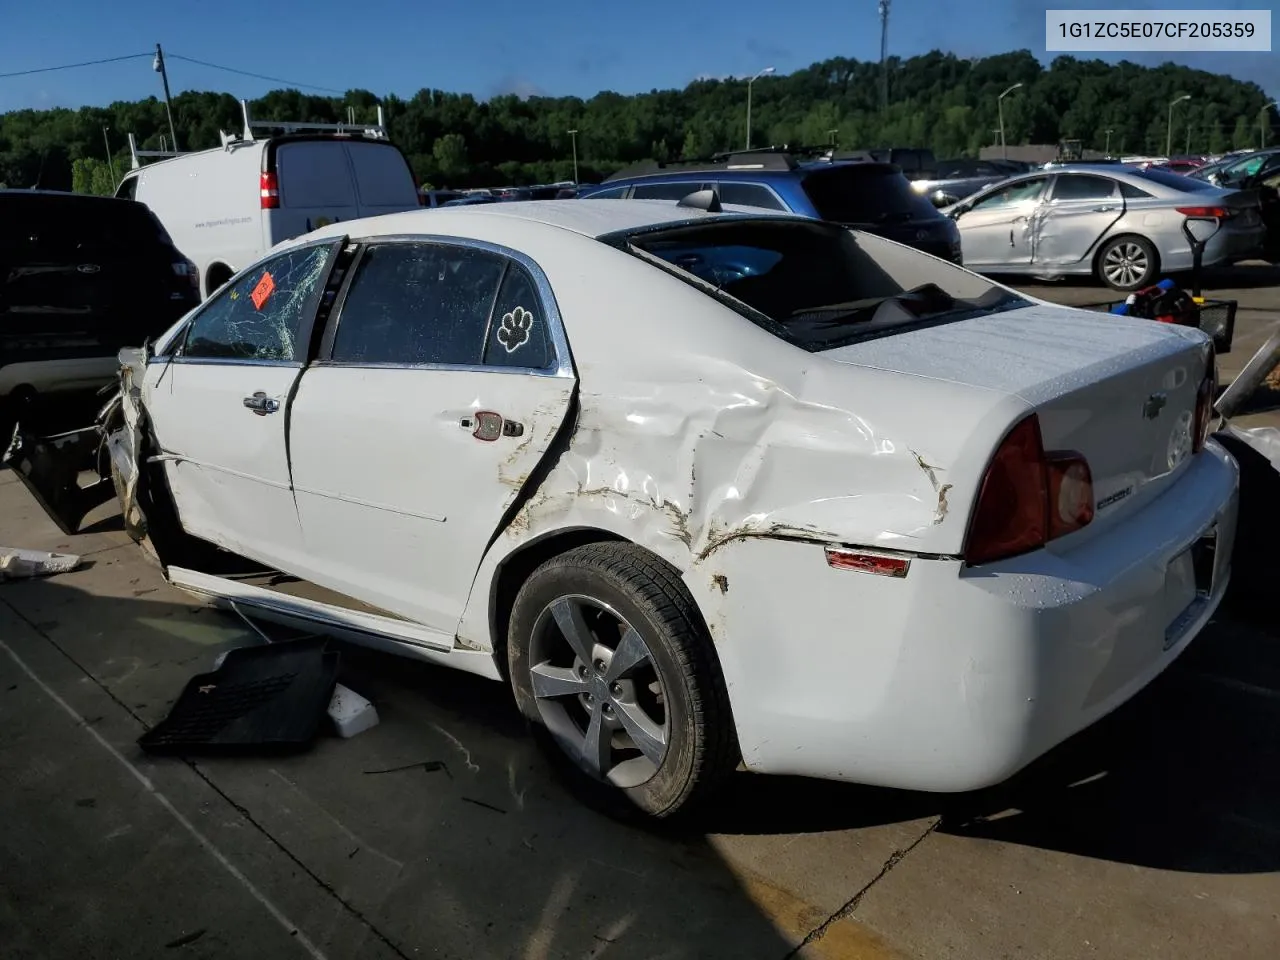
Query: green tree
<point x="450" y="153"/>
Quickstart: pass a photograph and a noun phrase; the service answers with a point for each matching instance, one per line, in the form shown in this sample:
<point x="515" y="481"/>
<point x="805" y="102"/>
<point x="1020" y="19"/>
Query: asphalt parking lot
<point x="1156" y="834"/>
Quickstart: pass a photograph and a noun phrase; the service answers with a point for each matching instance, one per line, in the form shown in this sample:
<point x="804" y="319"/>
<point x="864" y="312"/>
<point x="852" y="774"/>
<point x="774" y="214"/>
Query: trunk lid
<point x="1119" y="391"/>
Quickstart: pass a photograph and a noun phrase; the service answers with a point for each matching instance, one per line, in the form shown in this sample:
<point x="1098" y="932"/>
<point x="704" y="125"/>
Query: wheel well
<point x="1097" y="257"/>
<point x="215" y="276"/>
<point x="516" y="569"/>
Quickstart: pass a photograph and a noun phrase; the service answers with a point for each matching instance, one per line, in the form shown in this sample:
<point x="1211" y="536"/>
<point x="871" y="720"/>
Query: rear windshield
<point x="1177" y="181"/>
<point x="813" y="284"/>
<point x="383" y="177"/>
<point x="54" y="226"/>
<point x="848" y="194"/>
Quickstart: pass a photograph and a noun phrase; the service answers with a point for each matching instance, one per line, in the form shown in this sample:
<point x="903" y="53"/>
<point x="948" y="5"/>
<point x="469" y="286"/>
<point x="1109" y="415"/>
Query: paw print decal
<point x="513" y="332"/>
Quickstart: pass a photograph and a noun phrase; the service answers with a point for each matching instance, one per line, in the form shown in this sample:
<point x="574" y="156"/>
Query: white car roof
<point x="588" y="218"/>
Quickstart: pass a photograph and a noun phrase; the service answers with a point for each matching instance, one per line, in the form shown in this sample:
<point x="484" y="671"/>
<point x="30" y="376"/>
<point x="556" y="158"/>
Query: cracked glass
<point x="261" y="316"/>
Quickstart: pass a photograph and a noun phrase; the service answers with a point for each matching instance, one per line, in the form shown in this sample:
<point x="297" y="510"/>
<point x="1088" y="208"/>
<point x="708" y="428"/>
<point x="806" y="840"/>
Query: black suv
<point x="865" y="195"/>
<point x="80" y="277"/>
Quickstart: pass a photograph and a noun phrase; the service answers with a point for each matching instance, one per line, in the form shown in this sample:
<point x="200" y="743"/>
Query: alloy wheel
<point x="1125" y="264"/>
<point x="598" y="690"/>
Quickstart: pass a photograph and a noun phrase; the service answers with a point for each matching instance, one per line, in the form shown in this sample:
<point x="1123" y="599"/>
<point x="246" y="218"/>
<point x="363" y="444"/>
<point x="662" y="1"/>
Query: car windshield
<point x="853" y="194"/>
<point x="1176" y="181"/>
<point x="818" y="286"/>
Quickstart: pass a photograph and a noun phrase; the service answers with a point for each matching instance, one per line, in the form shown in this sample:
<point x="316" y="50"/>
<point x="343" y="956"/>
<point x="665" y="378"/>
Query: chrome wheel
<point x="1125" y="264"/>
<point x="598" y="691"/>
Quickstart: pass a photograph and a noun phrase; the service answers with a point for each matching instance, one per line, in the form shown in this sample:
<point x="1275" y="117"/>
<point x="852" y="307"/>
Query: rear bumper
<point x="953" y="678"/>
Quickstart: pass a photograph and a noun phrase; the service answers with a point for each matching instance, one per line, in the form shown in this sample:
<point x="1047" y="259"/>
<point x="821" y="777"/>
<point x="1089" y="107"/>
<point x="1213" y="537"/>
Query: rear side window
<point x="1070" y="186"/>
<point x="261" y="316"/>
<point x="128" y="189"/>
<point x="665" y="191"/>
<point x="418" y="303"/>
<point x="1175" y="180"/>
<point x="851" y="195"/>
<point x="383" y="178"/>
<point x="314" y="174"/>
<point x="749" y="195"/>
<point x="1130" y="192"/>
<point x="518" y="332"/>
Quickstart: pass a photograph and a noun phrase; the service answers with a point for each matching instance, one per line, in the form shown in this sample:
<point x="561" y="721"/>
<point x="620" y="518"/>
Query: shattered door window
<point x="262" y="315"/>
<point x="418" y="303"/>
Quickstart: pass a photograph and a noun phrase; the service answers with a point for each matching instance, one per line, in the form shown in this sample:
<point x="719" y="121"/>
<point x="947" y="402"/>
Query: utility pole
<point x="1109" y="142"/>
<point x="884" y="54"/>
<point x="111" y="161"/>
<point x="1263" y="124"/>
<point x="158" y="66"/>
<point x="573" y="135"/>
<point x="833" y="133"/>
<point x="763" y="73"/>
<point x="1168" y="140"/>
<point x="1004" y="152"/>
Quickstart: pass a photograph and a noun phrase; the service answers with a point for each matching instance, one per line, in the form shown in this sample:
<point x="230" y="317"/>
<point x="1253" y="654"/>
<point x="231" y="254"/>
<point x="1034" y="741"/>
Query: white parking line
<point x="1242" y="685"/>
<point x="295" y="934"/>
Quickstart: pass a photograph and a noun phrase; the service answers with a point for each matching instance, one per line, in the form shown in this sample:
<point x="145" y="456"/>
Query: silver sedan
<point x="1122" y="225"/>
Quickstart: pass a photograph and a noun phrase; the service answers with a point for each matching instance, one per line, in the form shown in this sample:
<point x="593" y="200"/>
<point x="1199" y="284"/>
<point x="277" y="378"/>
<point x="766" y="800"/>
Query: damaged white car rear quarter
<point x="736" y="456"/>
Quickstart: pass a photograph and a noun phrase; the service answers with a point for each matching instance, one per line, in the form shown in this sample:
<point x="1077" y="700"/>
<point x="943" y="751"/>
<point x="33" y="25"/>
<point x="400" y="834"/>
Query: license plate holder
<point x="1205" y="568"/>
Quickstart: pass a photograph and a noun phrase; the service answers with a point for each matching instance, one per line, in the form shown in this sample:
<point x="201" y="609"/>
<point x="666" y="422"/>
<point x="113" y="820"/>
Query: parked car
<point x="227" y="206"/>
<point x="916" y="163"/>
<point x="953" y="180"/>
<point x="1122" y="225"/>
<point x="80" y="277"/>
<point x="438" y="198"/>
<point x="702" y="487"/>
<point x="865" y="195"/>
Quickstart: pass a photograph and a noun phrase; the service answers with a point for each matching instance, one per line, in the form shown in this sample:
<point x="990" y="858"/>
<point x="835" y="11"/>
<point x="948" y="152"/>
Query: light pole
<point x="1004" y="151"/>
<point x="833" y="133"/>
<point x="1109" y="131"/>
<point x="1168" y="142"/>
<point x="111" y="162"/>
<point x="1263" y="125"/>
<point x="763" y="73"/>
<point x="573" y="136"/>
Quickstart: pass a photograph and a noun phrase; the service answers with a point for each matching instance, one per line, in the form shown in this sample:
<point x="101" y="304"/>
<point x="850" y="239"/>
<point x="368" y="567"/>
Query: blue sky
<point x="556" y="47"/>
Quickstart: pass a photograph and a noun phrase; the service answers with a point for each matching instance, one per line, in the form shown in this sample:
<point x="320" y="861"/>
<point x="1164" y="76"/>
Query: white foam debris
<point x="350" y="712"/>
<point x="17" y="564"/>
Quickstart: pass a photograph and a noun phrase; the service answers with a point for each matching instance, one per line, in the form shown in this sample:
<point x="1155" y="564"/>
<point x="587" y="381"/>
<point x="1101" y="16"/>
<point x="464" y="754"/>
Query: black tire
<point x="701" y="745"/>
<point x="1128" y="263"/>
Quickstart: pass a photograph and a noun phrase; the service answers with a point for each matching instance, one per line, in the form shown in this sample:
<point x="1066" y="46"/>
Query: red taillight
<point x="185" y="268"/>
<point x="1028" y="497"/>
<point x="1206" y="395"/>
<point x="269" y="189"/>
<point x="1220" y="213"/>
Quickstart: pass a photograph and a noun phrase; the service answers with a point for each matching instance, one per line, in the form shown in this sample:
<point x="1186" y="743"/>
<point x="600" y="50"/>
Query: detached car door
<point x="443" y="378"/>
<point x="219" y="407"/>
<point x="1081" y="208"/>
<point x="996" y="232"/>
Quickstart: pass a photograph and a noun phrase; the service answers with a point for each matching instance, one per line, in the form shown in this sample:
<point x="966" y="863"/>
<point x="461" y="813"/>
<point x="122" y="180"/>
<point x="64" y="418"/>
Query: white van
<point x="227" y="206"/>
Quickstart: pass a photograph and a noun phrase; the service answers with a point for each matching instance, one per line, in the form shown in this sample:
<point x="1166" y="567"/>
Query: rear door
<point x="316" y="188"/>
<point x="996" y="231"/>
<point x="219" y="407"/>
<point x="1081" y="208"/>
<point x="443" y="379"/>
<point x="383" y="180"/>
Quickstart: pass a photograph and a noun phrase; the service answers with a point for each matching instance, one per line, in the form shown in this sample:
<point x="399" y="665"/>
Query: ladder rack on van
<point x="377" y="131"/>
<point x="135" y="153"/>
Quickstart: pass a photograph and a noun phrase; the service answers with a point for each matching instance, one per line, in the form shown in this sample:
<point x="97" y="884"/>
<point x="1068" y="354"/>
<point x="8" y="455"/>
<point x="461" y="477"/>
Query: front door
<point x="996" y="232"/>
<point x="1080" y="210"/>
<point x="443" y="380"/>
<point x="219" y="406"/>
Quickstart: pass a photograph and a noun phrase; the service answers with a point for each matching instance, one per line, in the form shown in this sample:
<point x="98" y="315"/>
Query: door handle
<point x="1105" y="208"/>
<point x="487" y="425"/>
<point x="261" y="404"/>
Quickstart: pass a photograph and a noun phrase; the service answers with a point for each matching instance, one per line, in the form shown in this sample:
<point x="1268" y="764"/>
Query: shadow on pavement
<point x="483" y="857"/>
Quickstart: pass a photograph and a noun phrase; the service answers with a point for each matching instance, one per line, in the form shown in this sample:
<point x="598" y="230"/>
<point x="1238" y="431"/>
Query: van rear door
<point x="316" y="188"/>
<point x="384" y="182"/>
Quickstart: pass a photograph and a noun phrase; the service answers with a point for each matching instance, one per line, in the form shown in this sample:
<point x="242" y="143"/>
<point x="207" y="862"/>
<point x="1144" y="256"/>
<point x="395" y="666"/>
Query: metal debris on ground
<point x="16" y="564"/>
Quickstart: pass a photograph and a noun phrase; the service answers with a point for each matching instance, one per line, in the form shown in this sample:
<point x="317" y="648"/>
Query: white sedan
<point x="704" y="487"/>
